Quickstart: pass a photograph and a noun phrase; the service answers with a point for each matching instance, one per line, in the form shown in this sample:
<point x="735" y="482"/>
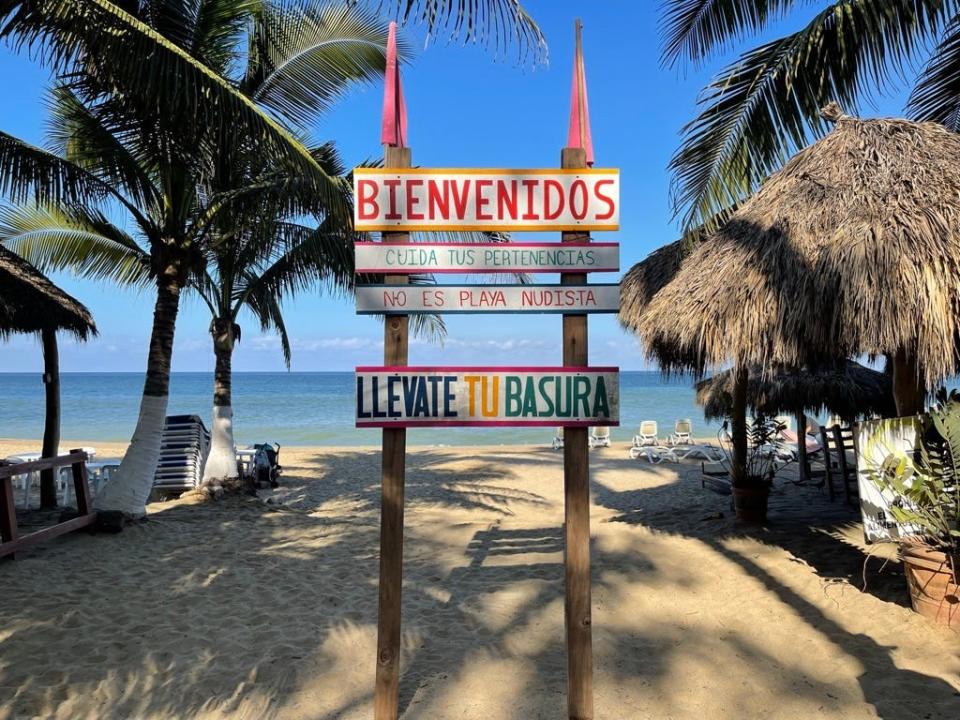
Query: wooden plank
<point x="68" y="526"/>
<point x="42" y="464"/>
<point x="383" y="299"/>
<point x="576" y="482"/>
<point x="8" y="511"/>
<point x="393" y="475"/>
<point x="81" y="485"/>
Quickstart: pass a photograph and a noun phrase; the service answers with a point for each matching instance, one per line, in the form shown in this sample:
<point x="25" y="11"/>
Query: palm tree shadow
<point x="804" y="523"/>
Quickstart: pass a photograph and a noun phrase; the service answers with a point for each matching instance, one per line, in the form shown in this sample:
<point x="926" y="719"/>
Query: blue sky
<point x="466" y="108"/>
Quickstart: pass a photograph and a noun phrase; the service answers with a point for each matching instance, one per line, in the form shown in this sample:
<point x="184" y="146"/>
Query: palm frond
<point x="936" y="95"/>
<point x="692" y="29"/>
<point x="498" y="23"/>
<point x="766" y="105"/>
<point x="304" y="57"/>
<point x="81" y="135"/>
<point x="29" y="173"/>
<point x="79" y="240"/>
<point x="102" y="39"/>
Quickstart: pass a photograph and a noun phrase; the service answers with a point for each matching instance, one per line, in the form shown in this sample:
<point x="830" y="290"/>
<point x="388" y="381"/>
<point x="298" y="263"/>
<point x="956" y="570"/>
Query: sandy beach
<point x="267" y="608"/>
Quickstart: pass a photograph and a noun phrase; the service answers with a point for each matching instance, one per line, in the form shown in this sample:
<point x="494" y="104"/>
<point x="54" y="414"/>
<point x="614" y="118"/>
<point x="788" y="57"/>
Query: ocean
<point x="298" y="408"/>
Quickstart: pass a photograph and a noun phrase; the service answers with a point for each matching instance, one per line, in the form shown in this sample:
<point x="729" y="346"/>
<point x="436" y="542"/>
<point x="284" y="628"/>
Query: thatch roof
<point x="852" y="248"/>
<point x="646" y="279"/>
<point x="29" y="302"/>
<point x="850" y="391"/>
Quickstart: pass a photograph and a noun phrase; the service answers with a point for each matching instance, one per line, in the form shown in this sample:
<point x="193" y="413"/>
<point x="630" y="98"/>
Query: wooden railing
<point x="12" y="541"/>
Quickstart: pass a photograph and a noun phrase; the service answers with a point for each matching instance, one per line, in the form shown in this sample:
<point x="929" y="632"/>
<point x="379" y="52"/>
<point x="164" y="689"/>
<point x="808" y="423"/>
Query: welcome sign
<point x="412" y="300"/>
<point x="409" y="258"/>
<point x="477" y="396"/>
<point x="408" y="199"/>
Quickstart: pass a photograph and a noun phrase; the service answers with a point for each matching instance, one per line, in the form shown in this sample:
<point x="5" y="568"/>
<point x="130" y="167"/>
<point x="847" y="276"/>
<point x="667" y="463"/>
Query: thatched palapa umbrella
<point x="30" y="303"/>
<point x="849" y="390"/>
<point x="852" y="248"/>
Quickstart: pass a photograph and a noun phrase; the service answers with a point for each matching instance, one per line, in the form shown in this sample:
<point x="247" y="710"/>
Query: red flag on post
<point x="393" y="130"/>
<point x="579" y="134"/>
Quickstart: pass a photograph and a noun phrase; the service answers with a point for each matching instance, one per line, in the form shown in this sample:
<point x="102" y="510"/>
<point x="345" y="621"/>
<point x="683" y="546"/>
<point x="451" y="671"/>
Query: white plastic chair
<point x="647" y="434"/>
<point x="600" y="436"/>
<point x="682" y="432"/>
<point x="558" y="439"/>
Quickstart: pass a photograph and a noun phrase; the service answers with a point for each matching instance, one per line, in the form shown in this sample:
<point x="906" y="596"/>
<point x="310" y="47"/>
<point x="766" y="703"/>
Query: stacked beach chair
<point x="183" y="453"/>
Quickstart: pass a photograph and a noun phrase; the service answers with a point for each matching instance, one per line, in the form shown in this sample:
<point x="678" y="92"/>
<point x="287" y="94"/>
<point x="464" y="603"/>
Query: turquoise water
<point x="297" y="408"/>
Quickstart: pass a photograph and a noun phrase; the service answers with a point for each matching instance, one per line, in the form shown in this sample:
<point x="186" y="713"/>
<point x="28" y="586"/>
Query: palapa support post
<point x="576" y="483"/>
<point x="395" y="344"/>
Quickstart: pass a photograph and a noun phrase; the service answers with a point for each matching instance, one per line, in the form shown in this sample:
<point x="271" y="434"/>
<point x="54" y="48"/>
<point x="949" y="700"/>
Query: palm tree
<point x="764" y="106"/>
<point x="156" y="169"/>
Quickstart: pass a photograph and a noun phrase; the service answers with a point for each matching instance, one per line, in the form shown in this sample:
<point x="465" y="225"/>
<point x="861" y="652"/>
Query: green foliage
<point x="764" y="106"/>
<point x="928" y="489"/>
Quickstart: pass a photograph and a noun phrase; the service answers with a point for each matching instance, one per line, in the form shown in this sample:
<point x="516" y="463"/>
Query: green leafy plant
<point x="766" y="449"/>
<point x="927" y="491"/>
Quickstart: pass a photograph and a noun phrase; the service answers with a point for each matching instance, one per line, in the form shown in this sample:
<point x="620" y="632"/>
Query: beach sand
<point x="244" y="608"/>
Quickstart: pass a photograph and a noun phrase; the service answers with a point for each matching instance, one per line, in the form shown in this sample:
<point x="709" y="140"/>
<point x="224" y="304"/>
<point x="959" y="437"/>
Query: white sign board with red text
<point x="502" y="257"/>
<point x="486" y="200"/>
<point x="413" y="299"/>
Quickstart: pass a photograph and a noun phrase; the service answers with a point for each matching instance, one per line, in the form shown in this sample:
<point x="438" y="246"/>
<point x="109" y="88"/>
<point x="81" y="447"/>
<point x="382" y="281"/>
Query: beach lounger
<point x="599" y="436"/>
<point x="654" y="454"/>
<point x="716" y="477"/>
<point x="558" y="439"/>
<point x="183" y="454"/>
<point x="647" y="434"/>
<point x="682" y="433"/>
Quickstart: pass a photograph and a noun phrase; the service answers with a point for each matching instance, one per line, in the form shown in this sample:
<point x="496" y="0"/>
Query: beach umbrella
<point x="30" y="303"/>
<point x="853" y="248"/>
<point x="848" y="390"/>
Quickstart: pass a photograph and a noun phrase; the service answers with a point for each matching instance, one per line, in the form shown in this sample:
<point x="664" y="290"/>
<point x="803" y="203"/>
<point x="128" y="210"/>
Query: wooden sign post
<point x="574" y="200"/>
<point x="395" y="343"/>
<point x="576" y="492"/>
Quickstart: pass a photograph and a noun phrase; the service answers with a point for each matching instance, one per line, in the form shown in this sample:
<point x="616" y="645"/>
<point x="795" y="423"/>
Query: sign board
<point x="482" y="396"/>
<point x="409" y="258"/>
<point x="403" y="199"/>
<point x="417" y="299"/>
<point x="886" y="445"/>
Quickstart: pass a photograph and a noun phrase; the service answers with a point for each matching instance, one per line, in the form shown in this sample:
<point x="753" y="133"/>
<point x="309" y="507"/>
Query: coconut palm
<point x="762" y="108"/>
<point x="155" y="167"/>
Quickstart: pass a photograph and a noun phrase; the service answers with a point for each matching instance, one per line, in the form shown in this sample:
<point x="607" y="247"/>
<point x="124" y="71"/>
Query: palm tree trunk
<point x="51" y="423"/>
<point x="738" y="430"/>
<point x="909" y="391"/>
<point x="129" y="489"/>
<point x="222" y="460"/>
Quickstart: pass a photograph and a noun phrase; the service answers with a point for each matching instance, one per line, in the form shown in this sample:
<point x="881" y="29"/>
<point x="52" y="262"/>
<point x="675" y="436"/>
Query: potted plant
<point x="765" y="455"/>
<point x="926" y="508"/>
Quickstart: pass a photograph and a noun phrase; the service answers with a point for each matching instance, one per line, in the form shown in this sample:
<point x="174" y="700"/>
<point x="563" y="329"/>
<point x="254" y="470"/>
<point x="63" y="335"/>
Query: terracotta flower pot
<point x="750" y="502"/>
<point x="934" y="592"/>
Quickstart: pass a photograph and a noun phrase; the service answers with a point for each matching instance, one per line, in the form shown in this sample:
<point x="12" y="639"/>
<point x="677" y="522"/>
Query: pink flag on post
<point x="579" y="134"/>
<point x="393" y="130"/>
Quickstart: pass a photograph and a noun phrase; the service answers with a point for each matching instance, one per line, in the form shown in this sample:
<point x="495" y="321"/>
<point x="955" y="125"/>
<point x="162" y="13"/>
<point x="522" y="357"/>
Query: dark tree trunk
<point x="738" y="430"/>
<point x="802" y="445"/>
<point x="222" y="374"/>
<point x="909" y="391"/>
<point x="51" y="425"/>
<point x="165" y="313"/>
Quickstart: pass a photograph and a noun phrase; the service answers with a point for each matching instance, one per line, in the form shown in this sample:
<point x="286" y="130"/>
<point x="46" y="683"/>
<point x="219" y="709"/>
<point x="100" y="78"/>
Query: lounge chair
<point x="716" y="477"/>
<point x="600" y="436"/>
<point x="647" y="434"/>
<point x="558" y="439"/>
<point x="682" y="433"/>
<point x="183" y="454"/>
